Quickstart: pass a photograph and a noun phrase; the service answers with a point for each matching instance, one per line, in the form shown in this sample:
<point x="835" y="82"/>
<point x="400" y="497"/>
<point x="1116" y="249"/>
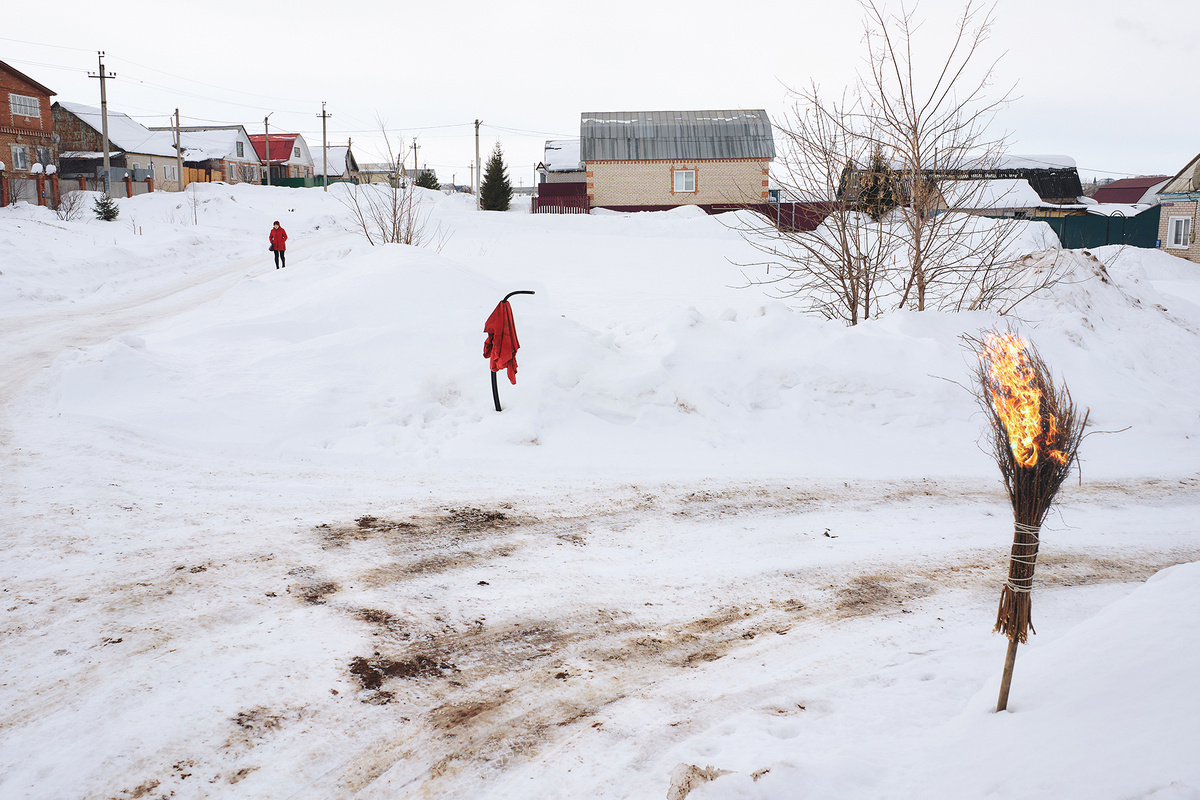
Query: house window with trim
<point x="241" y="150"/>
<point x="23" y="106"/>
<point x="1179" y="233"/>
<point x="683" y="181"/>
<point x="20" y="157"/>
<point x="296" y="152"/>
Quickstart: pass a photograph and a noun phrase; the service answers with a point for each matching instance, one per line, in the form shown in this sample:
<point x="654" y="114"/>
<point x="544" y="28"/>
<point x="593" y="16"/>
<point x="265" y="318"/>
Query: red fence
<point x="569" y="204"/>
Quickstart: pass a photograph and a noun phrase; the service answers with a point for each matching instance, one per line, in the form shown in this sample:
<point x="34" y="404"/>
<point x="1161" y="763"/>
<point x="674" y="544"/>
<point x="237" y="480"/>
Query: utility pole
<point x="267" y="128"/>
<point x="324" y="146"/>
<point x="478" y="173"/>
<point x="178" y="152"/>
<point x="103" y="76"/>
<point x="471" y="180"/>
<point x="416" y="147"/>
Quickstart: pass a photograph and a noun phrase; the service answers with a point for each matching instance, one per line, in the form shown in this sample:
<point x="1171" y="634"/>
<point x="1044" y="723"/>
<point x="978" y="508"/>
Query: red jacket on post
<point x="501" y="345"/>
<point x="278" y="239"/>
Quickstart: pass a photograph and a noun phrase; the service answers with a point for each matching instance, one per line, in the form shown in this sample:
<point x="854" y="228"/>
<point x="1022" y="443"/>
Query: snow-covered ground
<point x="265" y="536"/>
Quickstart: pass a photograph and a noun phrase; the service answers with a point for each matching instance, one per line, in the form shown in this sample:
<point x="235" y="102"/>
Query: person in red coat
<point x="279" y="245"/>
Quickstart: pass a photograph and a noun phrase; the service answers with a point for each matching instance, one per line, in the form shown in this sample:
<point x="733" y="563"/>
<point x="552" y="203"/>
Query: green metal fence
<point x="1093" y="230"/>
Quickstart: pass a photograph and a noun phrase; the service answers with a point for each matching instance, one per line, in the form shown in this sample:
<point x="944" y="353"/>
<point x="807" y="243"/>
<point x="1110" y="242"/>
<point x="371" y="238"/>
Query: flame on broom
<point x="1014" y="386"/>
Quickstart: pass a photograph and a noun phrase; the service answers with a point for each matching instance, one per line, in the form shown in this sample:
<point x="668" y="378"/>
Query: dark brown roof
<point x="26" y="78"/>
<point x="1128" y="190"/>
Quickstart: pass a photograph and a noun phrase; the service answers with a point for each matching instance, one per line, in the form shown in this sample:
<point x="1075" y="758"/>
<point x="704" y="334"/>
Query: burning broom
<point x="1035" y="430"/>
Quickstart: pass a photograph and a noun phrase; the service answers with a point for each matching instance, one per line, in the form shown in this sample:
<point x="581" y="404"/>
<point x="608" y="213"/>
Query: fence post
<point x="83" y="183"/>
<point x="55" y="190"/>
<point x="150" y="184"/>
<point x="3" y="188"/>
<point x="40" y="181"/>
<point x="128" y="186"/>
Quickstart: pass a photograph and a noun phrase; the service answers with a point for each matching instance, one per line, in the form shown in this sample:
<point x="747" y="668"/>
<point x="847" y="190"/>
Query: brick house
<point x="290" y="160"/>
<point x="135" y="152"/>
<point x="1180" y="202"/>
<point x="654" y="160"/>
<point x="27" y="142"/>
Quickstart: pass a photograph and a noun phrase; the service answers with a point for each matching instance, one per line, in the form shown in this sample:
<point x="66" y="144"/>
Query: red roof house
<point x="1128" y="191"/>
<point x="290" y="156"/>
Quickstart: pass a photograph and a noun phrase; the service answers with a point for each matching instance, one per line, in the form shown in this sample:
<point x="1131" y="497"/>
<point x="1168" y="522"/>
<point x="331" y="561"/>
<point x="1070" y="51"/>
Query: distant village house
<point x="28" y="148"/>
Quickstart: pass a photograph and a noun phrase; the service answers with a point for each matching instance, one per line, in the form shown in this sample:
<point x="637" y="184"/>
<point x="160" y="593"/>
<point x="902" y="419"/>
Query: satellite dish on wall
<point x="55" y="138"/>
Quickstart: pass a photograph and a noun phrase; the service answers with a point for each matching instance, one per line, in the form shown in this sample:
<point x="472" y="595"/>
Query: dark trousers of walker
<point x="280" y="258"/>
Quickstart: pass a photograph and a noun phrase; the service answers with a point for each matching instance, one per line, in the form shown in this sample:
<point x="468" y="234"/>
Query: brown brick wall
<point x="20" y="131"/>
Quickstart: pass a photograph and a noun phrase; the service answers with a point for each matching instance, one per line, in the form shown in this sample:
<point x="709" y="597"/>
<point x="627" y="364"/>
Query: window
<point x="296" y="152"/>
<point x="23" y="106"/>
<point x="20" y="157"/>
<point x="241" y="150"/>
<point x="1179" y="233"/>
<point x="683" y="181"/>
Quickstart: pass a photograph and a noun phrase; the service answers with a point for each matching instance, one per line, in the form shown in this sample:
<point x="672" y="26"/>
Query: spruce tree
<point x="105" y="208"/>
<point x="496" y="191"/>
<point x="427" y="180"/>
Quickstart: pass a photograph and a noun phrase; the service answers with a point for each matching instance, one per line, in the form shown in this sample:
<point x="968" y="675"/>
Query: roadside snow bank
<point x="1098" y="713"/>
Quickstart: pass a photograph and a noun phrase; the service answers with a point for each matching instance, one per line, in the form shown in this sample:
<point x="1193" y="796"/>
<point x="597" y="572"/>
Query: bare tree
<point x="843" y="266"/>
<point x="885" y="165"/>
<point x="72" y="205"/>
<point x="931" y="113"/>
<point x="389" y="213"/>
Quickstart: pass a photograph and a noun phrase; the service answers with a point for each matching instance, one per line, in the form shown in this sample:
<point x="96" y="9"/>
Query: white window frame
<point x="295" y="152"/>
<point x="1179" y="228"/>
<point x="22" y="104"/>
<point x="241" y="150"/>
<point x="680" y="180"/>
<point x="20" y="157"/>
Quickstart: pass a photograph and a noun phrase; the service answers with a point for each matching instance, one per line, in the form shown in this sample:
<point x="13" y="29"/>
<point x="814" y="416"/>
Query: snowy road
<point x="447" y="649"/>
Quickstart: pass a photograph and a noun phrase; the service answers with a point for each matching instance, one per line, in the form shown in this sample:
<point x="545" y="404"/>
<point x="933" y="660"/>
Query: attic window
<point x="241" y="150"/>
<point x="296" y="152"/>
<point x="1179" y="233"/>
<point x="683" y="181"/>
<point x="23" y="106"/>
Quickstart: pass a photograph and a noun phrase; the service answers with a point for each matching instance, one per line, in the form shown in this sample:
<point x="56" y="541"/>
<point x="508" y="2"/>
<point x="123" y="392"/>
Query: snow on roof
<point x="1035" y="162"/>
<point x="203" y="145"/>
<point x="123" y="131"/>
<point x="1000" y="193"/>
<point x="562" y="155"/>
<point x="88" y="154"/>
<point x="1118" y="209"/>
<point x="337" y="160"/>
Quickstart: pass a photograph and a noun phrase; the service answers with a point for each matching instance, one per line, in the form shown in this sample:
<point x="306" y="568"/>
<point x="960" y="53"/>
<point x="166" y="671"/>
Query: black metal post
<point x="495" y="388"/>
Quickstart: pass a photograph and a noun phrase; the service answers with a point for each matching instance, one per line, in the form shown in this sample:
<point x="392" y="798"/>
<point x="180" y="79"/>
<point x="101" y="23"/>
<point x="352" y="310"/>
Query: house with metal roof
<point x="134" y="150"/>
<point x="290" y="161"/>
<point x="216" y="153"/>
<point x="1180" y="204"/>
<point x="1132" y="191"/>
<point x="655" y="160"/>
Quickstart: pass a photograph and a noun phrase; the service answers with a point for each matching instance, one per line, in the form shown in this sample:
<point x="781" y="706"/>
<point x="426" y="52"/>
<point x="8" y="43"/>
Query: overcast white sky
<point x="1087" y="75"/>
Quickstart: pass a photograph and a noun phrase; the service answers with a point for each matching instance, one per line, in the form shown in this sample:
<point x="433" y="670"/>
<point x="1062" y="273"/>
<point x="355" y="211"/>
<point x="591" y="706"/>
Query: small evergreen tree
<point x="495" y="192"/>
<point x="105" y="208"/>
<point x="877" y="188"/>
<point x="427" y="180"/>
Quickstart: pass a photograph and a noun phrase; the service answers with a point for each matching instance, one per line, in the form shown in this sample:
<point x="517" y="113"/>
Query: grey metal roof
<point x="649" y="135"/>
